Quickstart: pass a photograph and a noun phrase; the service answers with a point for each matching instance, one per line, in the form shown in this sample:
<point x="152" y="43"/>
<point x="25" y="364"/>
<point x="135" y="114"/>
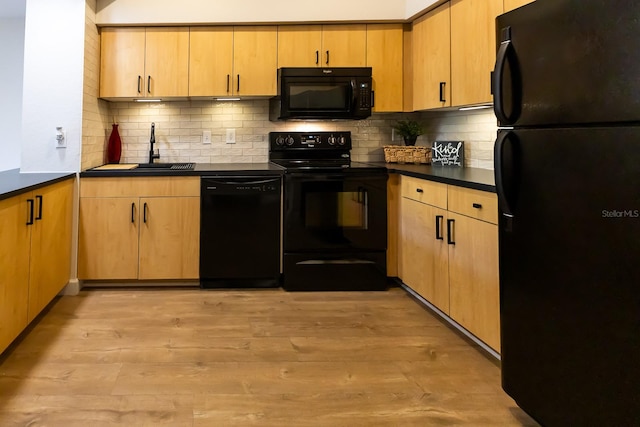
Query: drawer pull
<point x="477" y="205"/>
<point x="419" y="190"/>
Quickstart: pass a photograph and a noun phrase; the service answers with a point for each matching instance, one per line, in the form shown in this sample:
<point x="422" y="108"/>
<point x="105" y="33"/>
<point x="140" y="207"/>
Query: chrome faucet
<point x="152" y="141"/>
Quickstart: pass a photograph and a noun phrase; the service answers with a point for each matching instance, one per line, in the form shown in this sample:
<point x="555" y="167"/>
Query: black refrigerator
<point x="567" y="164"/>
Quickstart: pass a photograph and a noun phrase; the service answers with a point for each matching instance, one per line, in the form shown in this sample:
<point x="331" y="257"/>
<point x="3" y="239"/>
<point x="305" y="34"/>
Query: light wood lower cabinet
<point x="448" y="253"/>
<point x="139" y="228"/>
<point x="35" y="259"/>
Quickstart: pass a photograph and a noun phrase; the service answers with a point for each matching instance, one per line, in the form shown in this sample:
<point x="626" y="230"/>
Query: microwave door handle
<point x="354" y="98"/>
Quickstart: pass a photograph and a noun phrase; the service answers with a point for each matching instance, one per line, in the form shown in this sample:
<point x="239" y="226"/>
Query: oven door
<point x="335" y="211"/>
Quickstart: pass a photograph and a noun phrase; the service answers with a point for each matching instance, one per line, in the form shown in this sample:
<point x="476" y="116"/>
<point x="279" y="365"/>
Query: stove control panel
<point x="280" y="141"/>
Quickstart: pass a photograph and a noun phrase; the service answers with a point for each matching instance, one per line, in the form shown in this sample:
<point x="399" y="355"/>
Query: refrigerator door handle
<point x="498" y="103"/>
<point x="503" y="201"/>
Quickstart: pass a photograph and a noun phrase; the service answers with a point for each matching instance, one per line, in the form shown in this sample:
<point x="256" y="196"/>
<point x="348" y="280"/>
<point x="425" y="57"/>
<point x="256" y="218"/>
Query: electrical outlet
<point x="393" y="134"/>
<point x="231" y="136"/>
<point x="206" y="137"/>
<point x="61" y="137"/>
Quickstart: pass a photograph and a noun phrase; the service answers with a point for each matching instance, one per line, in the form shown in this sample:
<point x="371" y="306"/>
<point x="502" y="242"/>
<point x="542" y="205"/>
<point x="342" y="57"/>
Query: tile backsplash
<point x="179" y="128"/>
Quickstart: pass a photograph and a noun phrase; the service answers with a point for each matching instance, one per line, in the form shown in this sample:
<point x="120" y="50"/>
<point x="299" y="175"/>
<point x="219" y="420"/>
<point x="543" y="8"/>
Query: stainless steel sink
<point x="171" y="166"/>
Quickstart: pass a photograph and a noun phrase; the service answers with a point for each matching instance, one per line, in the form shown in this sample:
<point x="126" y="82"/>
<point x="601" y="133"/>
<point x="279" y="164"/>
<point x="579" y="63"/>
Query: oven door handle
<point x="338" y="176"/>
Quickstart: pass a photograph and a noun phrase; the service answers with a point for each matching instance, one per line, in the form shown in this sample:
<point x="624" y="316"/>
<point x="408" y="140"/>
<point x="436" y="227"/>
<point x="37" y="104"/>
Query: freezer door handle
<point x="498" y="156"/>
<point x="506" y="56"/>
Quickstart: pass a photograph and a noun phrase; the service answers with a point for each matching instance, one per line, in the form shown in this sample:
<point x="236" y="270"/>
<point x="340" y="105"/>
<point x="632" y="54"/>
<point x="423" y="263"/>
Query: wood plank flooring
<point x="188" y="357"/>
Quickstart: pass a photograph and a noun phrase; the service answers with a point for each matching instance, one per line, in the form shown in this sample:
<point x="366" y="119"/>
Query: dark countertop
<point x="200" y="169"/>
<point x="475" y="178"/>
<point x="12" y="182"/>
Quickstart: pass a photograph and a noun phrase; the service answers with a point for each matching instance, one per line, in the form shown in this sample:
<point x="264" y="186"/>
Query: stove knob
<point x="279" y="140"/>
<point x="290" y="140"/>
<point x="342" y="140"/>
<point x="332" y="140"/>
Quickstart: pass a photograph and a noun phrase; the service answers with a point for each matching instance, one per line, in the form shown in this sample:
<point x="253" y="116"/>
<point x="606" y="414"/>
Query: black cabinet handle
<point x="238" y="91"/>
<point x="139" y="84"/>
<point x="327" y="57"/>
<point x="317" y="57"/>
<point x="149" y="84"/>
<point x="228" y="82"/>
<point x="39" y="202"/>
<point x="144" y="213"/>
<point x="419" y="190"/>
<point x="477" y="205"/>
<point x="373" y="98"/>
<point x="442" y="85"/>
<point x="450" y="224"/>
<point x="439" y="219"/>
<point x="133" y="213"/>
<point x="30" y="220"/>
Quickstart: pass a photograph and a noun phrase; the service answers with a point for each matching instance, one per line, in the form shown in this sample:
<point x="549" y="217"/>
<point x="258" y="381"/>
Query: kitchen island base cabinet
<point x="145" y="228"/>
<point x="35" y="258"/>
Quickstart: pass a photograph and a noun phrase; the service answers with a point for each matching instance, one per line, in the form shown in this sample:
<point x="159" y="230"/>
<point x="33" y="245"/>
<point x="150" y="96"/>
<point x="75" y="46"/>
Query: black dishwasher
<point x="240" y="231"/>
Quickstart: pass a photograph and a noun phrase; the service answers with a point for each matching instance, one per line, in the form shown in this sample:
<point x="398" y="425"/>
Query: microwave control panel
<point x="365" y="96"/>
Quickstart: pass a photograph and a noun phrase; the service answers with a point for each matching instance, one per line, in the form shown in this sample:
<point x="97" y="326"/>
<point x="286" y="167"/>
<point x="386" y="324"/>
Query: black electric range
<point x="335" y="214"/>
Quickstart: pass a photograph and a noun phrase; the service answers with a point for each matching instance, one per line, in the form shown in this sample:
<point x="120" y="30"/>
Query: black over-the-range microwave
<point x="322" y="94"/>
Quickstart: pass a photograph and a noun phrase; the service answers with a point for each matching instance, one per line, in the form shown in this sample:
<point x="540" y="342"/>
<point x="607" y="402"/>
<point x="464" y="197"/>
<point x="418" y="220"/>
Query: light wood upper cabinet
<point x="432" y="59"/>
<point x="344" y="45"/>
<point x="35" y="254"/>
<point x="210" y="61"/>
<point x="473" y="49"/>
<point x="322" y="45"/>
<point x="15" y="245"/>
<point x="385" y="57"/>
<point x="299" y="45"/>
<point x="514" y="4"/>
<point x="167" y="61"/>
<point x="139" y="62"/>
<point x="238" y="61"/>
<point x="122" y="62"/>
<point x="255" y="61"/>
<point x="139" y="228"/>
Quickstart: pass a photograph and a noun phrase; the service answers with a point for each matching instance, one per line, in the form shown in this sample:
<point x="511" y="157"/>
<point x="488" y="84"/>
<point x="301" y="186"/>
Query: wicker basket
<point x="405" y="154"/>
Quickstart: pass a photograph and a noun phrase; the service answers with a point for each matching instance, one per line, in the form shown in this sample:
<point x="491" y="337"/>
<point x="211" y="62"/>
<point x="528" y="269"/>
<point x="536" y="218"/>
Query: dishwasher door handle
<point x="234" y="181"/>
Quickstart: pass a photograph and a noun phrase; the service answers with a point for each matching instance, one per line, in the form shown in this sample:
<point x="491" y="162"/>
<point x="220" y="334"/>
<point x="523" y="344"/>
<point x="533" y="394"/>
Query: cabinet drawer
<point x="432" y="193"/>
<point x="158" y="186"/>
<point x="477" y="204"/>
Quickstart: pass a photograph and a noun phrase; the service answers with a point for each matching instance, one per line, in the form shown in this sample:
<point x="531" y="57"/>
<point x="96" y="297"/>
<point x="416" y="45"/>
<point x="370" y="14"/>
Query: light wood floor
<point x="187" y="357"/>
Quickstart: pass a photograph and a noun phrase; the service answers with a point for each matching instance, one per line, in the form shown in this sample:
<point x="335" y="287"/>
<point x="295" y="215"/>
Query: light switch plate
<point x="231" y="136"/>
<point x="206" y="137"/>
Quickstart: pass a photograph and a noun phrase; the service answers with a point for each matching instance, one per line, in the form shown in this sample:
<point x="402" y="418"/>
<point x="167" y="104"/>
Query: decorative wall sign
<point x="448" y="153"/>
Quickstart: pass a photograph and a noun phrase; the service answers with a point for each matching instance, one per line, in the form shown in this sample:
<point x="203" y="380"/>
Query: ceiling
<point x="12" y="8"/>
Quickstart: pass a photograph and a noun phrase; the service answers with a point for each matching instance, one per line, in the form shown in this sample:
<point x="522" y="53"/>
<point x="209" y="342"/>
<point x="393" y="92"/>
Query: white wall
<point x="414" y="7"/>
<point x="52" y="95"/>
<point x="112" y="12"/>
<point x="11" y="68"/>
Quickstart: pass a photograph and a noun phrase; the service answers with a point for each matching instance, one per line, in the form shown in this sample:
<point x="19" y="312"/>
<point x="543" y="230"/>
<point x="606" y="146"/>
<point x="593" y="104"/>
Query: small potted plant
<point x="409" y="130"/>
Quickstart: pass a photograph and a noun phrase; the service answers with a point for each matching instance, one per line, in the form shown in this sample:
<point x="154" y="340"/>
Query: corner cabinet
<point x="144" y="62"/>
<point x="139" y="228"/>
<point x="448" y="253"/>
<point x="35" y="254"/>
